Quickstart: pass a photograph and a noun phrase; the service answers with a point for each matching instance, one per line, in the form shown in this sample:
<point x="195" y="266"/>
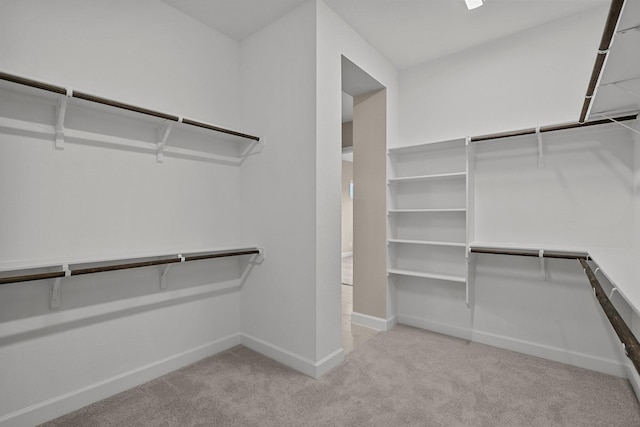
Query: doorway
<point x="364" y="287"/>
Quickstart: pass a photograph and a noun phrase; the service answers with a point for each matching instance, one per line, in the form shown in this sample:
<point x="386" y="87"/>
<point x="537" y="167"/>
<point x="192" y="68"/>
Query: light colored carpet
<point x="402" y="377"/>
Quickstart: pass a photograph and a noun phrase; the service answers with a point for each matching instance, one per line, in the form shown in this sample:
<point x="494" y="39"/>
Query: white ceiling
<point x="407" y="32"/>
<point x="410" y="32"/>
<point x="237" y="19"/>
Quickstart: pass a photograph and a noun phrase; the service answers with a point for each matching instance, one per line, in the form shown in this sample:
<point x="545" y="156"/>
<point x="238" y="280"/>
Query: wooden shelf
<point x="444" y="277"/>
<point x="428" y="242"/>
<point x="400" y="211"/>
<point x="427" y="177"/>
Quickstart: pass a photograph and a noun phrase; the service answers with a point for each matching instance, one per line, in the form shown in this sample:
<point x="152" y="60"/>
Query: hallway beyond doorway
<point x="352" y="335"/>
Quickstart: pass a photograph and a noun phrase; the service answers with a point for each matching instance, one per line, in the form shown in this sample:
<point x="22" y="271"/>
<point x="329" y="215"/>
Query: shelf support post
<point x="61" y="111"/>
<point x="540" y="149"/>
<point x="470" y="274"/>
<point x="54" y="302"/>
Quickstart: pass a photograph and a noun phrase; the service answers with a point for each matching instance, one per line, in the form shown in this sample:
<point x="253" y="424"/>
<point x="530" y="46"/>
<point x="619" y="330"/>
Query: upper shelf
<point x="81" y="104"/>
<point x="615" y="79"/>
<point x="427" y="177"/>
<point x="438" y="145"/>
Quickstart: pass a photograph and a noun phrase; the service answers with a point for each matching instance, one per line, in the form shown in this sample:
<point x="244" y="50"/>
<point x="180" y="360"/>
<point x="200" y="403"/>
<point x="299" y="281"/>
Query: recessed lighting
<point x="472" y="4"/>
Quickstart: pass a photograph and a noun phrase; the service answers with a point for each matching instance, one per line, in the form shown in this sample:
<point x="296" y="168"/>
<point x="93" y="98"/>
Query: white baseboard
<point x="581" y="360"/>
<point x="634" y="379"/>
<point x="63" y="404"/>
<point x="372" y="322"/>
<point x="594" y="363"/>
<point x="295" y="361"/>
<point x="441" y="328"/>
<point x="347" y="254"/>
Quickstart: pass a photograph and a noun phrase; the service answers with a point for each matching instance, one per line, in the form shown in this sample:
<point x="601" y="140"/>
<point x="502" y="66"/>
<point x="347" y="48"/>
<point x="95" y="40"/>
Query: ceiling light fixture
<point x="472" y="4"/>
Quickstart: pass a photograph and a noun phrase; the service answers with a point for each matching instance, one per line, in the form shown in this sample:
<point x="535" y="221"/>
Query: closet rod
<point x="529" y="252"/>
<point x="104" y="101"/>
<point x="615" y="10"/>
<point x="32" y="83"/>
<point x="552" y="128"/>
<point x="124" y="266"/>
<point x="122" y="105"/>
<point x="630" y="342"/>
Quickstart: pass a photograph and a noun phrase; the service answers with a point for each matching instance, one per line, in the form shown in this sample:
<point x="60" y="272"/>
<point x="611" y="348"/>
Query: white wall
<point x="117" y="329"/>
<point x="583" y="196"/>
<point x="519" y="203"/>
<point x="291" y="93"/>
<point x="278" y="188"/>
<point x="144" y="52"/>
<point x="533" y="78"/>
<point x="335" y="39"/>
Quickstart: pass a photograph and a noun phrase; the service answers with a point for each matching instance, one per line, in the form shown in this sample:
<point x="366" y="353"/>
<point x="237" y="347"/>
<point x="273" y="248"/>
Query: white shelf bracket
<point x="624" y="89"/>
<point x="254" y="147"/>
<point x="259" y="257"/>
<point x="165" y="271"/>
<point x="61" y="111"/>
<point x="543" y="267"/>
<point x="163" y="277"/>
<point x="55" y="288"/>
<point x="540" y="149"/>
<point x="606" y="116"/>
<point x="163" y="135"/>
<point x="613" y="291"/>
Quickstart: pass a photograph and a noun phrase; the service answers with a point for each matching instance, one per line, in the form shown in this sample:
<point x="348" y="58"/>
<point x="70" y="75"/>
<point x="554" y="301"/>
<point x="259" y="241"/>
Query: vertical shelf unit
<point x="428" y="211"/>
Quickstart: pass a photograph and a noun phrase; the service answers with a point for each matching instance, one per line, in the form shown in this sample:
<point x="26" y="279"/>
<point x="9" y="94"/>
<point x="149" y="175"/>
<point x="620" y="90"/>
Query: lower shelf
<point x="448" y="278"/>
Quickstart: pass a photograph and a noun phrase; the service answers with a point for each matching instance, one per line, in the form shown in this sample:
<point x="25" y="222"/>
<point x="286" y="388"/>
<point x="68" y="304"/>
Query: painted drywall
<point x="534" y="78"/>
<point x="519" y="203"/>
<point x="347" y="207"/>
<point x="278" y="188"/>
<point x="334" y="39"/>
<point x="516" y="202"/>
<point x="144" y="53"/>
<point x="113" y="330"/>
<point x="369" y="212"/>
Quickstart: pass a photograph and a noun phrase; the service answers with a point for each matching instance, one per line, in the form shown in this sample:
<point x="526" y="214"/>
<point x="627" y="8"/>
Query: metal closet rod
<point x="615" y="10"/>
<point x="124" y="266"/>
<point x="552" y="128"/>
<point x="104" y="101"/>
<point x="630" y="342"/>
<point x="529" y="253"/>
